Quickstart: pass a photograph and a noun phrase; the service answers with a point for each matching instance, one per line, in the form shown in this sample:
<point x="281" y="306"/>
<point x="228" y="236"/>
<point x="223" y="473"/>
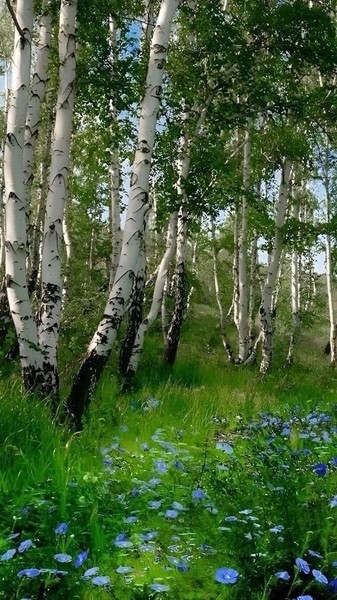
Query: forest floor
<point x="204" y="482"/>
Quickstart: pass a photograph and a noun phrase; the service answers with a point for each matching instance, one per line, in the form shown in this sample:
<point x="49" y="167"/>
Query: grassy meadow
<point x="203" y="482"/>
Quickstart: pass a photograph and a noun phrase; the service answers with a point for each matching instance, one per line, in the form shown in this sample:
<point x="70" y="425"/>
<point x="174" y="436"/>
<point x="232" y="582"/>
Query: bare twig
<point x="13" y="15"/>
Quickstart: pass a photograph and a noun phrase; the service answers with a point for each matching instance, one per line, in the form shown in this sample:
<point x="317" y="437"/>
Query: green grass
<point x="48" y="476"/>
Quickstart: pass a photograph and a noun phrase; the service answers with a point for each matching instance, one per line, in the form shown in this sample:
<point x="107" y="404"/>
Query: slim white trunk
<point x="15" y="215"/>
<point x="149" y="20"/>
<point x="243" y="289"/>
<point x="101" y="344"/>
<point x="252" y="291"/>
<point x="224" y="339"/>
<point x="51" y="276"/>
<point x="157" y="294"/>
<point x="266" y="308"/>
<point x="37" y="94"/>
<point x="328" y="261"/>
<point x="294" y="282"/>
<point x="115" y="218"/>
<point x="236" y="291"/>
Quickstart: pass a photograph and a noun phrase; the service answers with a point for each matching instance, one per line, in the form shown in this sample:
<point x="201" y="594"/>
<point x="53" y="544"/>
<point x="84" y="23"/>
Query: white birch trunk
<point x="236" y="291"/>
<point x="294" y="284"/>
<point x="328" y="262"/>
<point x="252" y="291"/>
<point x="101" y="344"/>
<point x="15" y="215"/>
<point x="149" y="20"/>
<point x="115" y="218"/>
<point x="157" y="294"/>
<point x="243" y="329"/>
<point x="51" y="276"/>
<point x="224" y="339"/>
<point x="266" y="308"/>
<point x="37" y="94"/>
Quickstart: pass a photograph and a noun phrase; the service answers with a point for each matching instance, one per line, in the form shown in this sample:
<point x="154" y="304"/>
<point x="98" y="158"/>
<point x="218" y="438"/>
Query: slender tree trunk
<point x="295" y="284"/>
<point x="135" y="311"/>
<point x="173" y="334"/>
<point x="328" y="261"/>
<point x="115" y="218"/>
<point x="243" y="289"/>
<point x="15" y="213"/>
<point x="51" y="276"/>
<point x="102" y="342"/>
<point x="252" y="292"/>
<point x="224" y="338"/>
<point x="266" y="308"/>
<point x="165" y="322"/>
<point x="236" y="288"/>
<point x="157" y="296"/>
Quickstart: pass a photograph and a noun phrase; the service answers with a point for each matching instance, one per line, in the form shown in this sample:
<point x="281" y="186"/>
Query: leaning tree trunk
<point x="157" y="296"/>
<point x="135" y="311"/>
<point x="51" y="276"/>
<point x="15" y="209"/>
<point x="266" y="308"/>
<point x="102" y="342"/>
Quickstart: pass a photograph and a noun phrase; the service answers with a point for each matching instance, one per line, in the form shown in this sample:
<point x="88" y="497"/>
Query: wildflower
<point x="160" y="466"/>
<point x="81" y="558"/>
<point x="159" y="587"/>
<point x="198" y="494"/>
<point x="101" y="580"/>
<point x="306" y="597"/>
<point x="61" y="528"/>
<point x="122" y="541"/>
<point x="227" y="448"/>
<point x="12" y="536"/>
<point x="148" y="536"/>
<point x="63" y="558"/>
<point x="276" y="529"/>
<point x="284" y="575"/>
<point x="302" y="565"/>
<point x="8" y="555"/>
<point x="171" y="514"/>
<point x="332" y="585"/>
<point x="90" y="572"/>
<point x="320" y="469"/>
<point x="178" y="506"/>
<point x="25" y="545"/>
<point x="154" y="504"/>
<point x="333" y="502"/>
<point x="124" y="570"/>
<point x="28" y="573"/>
<point x="227" y="576"/>
<point x="181" y="565"/>
<point x="319" y="576"/>
<point x="131" y="519"/>
<point x="314" y="554"/>
<point x="231" y="519"/>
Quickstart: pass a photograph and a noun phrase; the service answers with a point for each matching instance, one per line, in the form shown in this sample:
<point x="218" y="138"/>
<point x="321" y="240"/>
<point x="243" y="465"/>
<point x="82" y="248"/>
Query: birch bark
<point x="51" y="276"/>
<point x="15" y="215"/>
<point x="242" y="256"/>
<point x="294" y="283"/>
<point x="101" y="344"/>
<point x="328" y="261"/>
<point x="157" y="296"/>
<point x="266" y="308"/>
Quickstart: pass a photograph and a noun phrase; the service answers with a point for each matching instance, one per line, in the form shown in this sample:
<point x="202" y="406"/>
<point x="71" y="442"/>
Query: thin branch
<point x="13" y="15"/>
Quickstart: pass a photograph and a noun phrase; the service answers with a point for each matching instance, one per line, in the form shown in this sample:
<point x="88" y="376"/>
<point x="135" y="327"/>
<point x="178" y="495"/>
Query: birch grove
<point x="183" y="114"/>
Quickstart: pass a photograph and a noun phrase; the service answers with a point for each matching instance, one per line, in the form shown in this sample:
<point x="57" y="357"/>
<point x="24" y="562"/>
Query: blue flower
<point x="25" y="545"/>
<point x="306" y="597"/>
<point x="314" y="554"/>
<point x="90" y="572"/>
<point x="124" y="570"/>
<point x="227" y="576"/>
<point x="198" y="494"/>
<point x="131" y="519"/>
<point x="332" y="585"/>
<point x="101" y="580"/>
<point x="333" y="502"/>
<point x="12" y="536"/>
<point x="227" y="448"/>
<point x="160" y="466"/>
<point x="154" y="504"/>
<point x="8" y="555"/>
<point x="178" y="506"/>
<point x="320" y="469"/>
<point x="276" y="529"/>
<point x="149" y="535"/>
<point x="61" y="528"/>
<point x="122" y="541"/>
<point x="63" y="558"/>
<point x="159" y="587"/>
<point x="284" y="575"/>
<point x="81" y="558"/>
<point x="171" y="514"/>
<point x="29" y="573"/>
<point x="181" y="565"/>
<point x="319" y="576"/>
<point x="302" y="565"/>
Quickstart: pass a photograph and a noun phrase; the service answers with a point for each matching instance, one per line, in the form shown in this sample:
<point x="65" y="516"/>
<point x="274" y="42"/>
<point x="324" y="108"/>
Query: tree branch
<point x="13" y="15"/>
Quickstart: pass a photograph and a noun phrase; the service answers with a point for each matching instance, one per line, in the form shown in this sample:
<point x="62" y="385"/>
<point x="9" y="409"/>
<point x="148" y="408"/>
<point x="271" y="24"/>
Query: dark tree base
<point x="83" y="388"/>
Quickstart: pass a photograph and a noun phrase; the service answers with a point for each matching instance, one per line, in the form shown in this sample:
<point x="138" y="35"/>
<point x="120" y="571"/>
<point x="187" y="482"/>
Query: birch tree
<point x="101" y="344"/>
